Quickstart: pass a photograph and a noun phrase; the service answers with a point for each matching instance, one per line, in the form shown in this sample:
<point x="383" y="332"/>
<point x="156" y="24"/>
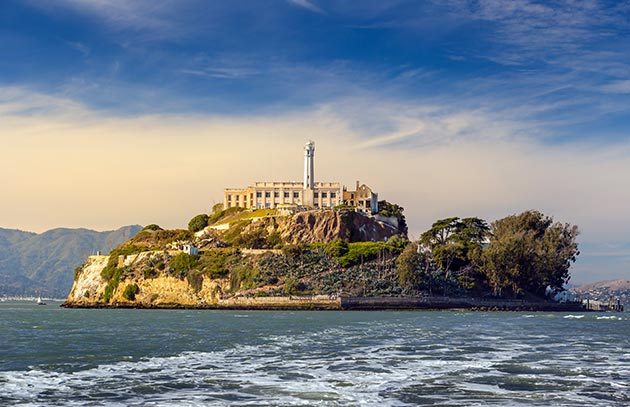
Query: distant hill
<point x="613" y="285"/>
<point x="43" y="264"/>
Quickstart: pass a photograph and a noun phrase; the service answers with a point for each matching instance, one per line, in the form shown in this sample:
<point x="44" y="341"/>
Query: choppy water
<point x="51" y="356"/>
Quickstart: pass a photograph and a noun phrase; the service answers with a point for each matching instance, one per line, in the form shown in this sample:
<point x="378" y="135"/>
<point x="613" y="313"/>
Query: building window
<point x="333" y="195"/>
<point x="229" y="198"/>
<point x="315" y="194"/>
<point x="267" y="194"/>
<point x="324" y="195"/>
<point x="351" y="196"/>
<point x="286" y="195"/>
<point x="258" y="194"/>
<point x="296" y="195"/>
<point x="276" y="194"/>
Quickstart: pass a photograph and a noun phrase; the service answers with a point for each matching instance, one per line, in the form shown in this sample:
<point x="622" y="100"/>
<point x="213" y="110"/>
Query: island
<point x="322" y="245"/>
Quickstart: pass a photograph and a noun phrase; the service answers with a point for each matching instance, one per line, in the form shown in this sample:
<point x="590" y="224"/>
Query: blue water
<point x="50" y="356"/>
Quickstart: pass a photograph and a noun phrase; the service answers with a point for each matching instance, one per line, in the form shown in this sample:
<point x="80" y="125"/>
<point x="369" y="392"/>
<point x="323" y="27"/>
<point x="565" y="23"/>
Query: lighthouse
<point x="308" y="196"/>
<point x="309" y="165"/>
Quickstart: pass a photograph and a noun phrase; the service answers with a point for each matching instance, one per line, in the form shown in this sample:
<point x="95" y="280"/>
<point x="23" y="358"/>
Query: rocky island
<point x="319" y="245"/>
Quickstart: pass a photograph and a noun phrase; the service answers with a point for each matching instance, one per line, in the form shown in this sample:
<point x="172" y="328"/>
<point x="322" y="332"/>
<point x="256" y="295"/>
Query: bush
<point x="198" y="223"/>
<point x="77" y="272"/>
<point x="216" y="262"/>
<point x="130" y="292"/>
<point x="337" y="248"/>
<point x="360" y="252"/>
<point x="152" y="226"/>
<point x="183" y="263"/>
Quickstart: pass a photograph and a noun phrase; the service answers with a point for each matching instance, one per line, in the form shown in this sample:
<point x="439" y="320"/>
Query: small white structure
<point x="190" y="249"/>
<point x="564" y="296"/>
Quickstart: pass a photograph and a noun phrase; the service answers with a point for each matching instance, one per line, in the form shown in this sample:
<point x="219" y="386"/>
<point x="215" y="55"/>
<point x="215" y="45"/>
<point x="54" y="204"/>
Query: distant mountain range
<point x="613" y="285"/>
<point x="43" y="264"/>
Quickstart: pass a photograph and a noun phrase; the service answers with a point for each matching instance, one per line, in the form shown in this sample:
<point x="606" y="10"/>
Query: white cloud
<point x="307" y="5"/>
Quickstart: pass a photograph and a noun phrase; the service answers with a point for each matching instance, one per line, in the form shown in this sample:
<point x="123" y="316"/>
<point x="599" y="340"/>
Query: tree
<point x="454" y="243"/>
<point x="528" y="253"/>
<point x="388" y="209"/>
<point x="198" y="223"/>
<point x="408" y="266"/>
<point x="415" y="269"/>
<point x="217" y="207"/>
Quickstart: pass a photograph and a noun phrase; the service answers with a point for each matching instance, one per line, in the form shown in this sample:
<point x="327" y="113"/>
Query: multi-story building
<point x="272" y="194"/>
<point x="269" y="194"/>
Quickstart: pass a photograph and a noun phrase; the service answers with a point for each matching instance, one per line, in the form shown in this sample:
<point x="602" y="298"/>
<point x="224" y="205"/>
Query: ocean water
<point x="50" y="356"/>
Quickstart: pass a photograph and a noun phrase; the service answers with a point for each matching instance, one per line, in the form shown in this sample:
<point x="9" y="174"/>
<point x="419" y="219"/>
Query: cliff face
<point x="325" y="226"/>
<point x="160" y="290"/>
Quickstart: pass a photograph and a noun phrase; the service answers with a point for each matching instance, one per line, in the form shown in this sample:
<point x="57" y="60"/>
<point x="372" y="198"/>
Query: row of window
<point x="295" y="194"/>
<point x="276" y="194"/>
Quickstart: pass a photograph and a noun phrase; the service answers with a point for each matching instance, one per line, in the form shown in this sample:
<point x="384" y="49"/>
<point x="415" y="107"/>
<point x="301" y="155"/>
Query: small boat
<point x="40" y="302"/>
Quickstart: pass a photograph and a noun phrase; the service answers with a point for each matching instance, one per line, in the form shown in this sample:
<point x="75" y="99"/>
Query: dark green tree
<point x="455" y="243"/>
<point x="198" y="222"/>
<point x="389" y="209"/>
<point x="528" y="253"/>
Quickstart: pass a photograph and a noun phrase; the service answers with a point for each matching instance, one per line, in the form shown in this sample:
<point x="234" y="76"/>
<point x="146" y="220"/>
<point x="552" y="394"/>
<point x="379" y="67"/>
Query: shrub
<point x="337" y="248"/>
<point x="198" y="223"/>
<point x="292" y="251"/>
<point x="77" y="272"/>
<point x="360" y="252"/>
<point x="216" y="262"/>
<point x="130" y="291"/>
<point x="183" y="263"/>
<point x="152" y="226"/>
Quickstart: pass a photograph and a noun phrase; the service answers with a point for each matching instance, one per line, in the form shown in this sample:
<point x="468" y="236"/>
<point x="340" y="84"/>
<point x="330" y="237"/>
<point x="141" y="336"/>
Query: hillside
<point x="43" y="264"/>
<point x="246" y="255"/>
<point x="614" y="285"/>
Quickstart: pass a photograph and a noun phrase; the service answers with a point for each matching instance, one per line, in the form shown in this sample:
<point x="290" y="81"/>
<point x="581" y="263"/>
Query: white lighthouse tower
<point x="309" y="173"/>
<point x="309" y="165"/>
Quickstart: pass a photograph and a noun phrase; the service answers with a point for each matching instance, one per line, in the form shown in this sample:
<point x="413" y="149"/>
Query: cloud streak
<point x="307" y="5"/>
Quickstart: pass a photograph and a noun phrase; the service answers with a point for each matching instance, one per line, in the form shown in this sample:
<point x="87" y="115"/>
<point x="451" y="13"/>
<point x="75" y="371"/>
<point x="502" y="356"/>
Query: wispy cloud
<point x="307" y="4"/>
<point x="221" y="72"/>
<point x="622" y="86"/>
<point x="151" y="19"/>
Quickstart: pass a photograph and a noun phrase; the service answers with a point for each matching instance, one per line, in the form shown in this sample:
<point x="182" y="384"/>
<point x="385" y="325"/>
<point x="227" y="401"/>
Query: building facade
<point x="362" y="198"/>
<point x="270" y="195"/>
<point x="310" y="194"/>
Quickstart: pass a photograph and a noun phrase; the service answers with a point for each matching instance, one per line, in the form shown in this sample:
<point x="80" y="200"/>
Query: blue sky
<point x="537" y="91"/>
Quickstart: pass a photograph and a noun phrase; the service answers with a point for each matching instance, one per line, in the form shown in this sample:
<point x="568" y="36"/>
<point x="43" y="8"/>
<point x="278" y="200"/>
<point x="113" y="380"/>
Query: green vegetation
<point x="78" y="271"/>
<point x="388" y="209"/>
<point x="198" y="223"/>
<point x="523" y="255"/>
<point x="215" y="263"/>
<point x="182" y="263"/>
<point x="152" y="226"/>
<point x="130" y="292"/>
<point x="236" y="214"/>
<point x="349" y="254"/>
<point x="528" y="253"/>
